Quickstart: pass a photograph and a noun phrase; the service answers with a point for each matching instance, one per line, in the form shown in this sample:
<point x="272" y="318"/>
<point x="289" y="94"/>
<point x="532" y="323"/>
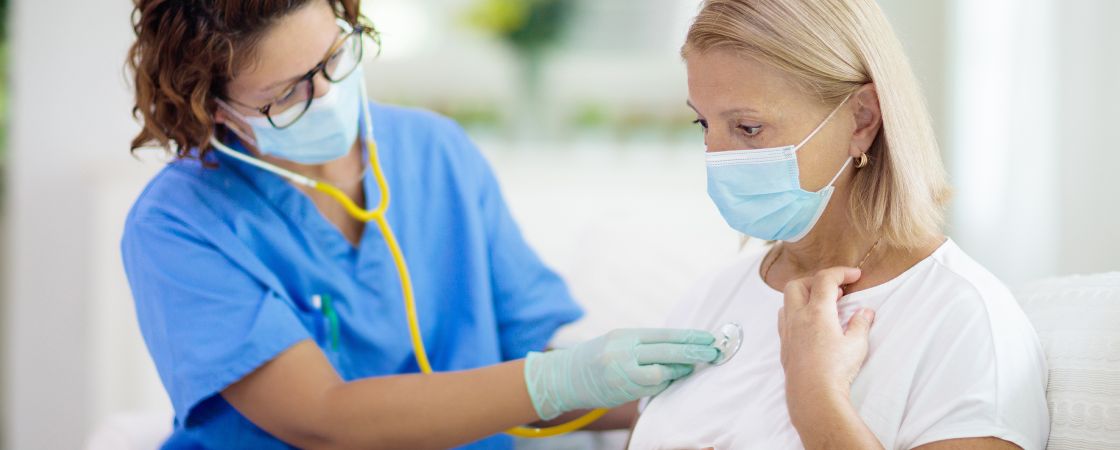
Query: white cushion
<point x="1078" y="323"/>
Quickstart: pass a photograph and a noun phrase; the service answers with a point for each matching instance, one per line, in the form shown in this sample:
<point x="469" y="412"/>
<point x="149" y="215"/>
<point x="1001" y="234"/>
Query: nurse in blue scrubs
<point x="275" y="318"/>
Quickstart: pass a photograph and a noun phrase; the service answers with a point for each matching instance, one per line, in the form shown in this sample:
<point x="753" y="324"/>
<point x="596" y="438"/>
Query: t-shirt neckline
<point x="756" y="275"/>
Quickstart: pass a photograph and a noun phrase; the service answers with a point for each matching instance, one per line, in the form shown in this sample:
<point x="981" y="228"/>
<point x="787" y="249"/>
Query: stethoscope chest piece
<point x="729" y="338"/>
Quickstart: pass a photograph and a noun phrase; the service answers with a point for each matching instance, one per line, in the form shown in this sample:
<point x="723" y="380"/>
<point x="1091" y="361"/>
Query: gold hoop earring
<point x="862" y="161"/>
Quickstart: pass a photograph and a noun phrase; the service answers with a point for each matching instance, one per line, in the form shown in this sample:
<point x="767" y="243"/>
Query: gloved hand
<point x="616" y="368"/>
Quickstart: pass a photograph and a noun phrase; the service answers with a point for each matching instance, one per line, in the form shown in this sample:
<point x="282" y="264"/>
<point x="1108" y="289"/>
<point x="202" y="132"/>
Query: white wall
<point x="1002" y="158"/>
<point x="1032" y="153"/>
<point x="70" y="112"/>
<point x="1086" y="150"/>
<point x="921" y="25"/>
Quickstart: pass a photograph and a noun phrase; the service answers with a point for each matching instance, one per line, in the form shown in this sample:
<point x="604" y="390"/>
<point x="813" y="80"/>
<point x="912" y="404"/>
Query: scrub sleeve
<point x="208" y="322"/>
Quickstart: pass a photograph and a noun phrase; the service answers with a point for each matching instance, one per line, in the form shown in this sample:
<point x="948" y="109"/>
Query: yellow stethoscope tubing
<point x="377" y="216"/>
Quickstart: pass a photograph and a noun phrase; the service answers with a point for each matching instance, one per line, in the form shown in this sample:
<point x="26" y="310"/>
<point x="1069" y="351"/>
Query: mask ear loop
<point x="818" y="129"/>
<point x="847" y="161"/>
<point x="241" y="134"/>
<point x="823" y="123"/>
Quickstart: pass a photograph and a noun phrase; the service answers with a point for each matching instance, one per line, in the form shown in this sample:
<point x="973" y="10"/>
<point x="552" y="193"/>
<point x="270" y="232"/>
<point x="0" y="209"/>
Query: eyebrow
<point x="297" y="77"/>
<point x="283" y="82"/>
<point x="727" y="113"/>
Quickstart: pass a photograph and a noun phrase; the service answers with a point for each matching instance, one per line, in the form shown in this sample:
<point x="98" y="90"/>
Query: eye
<point x="332" y="62"/>
<point x="749" y="130"/>
<point x="287" y="97"/>
<point x="703" y="123"/>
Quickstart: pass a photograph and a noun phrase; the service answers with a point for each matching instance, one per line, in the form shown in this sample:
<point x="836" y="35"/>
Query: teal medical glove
<point x="616" y="368"/>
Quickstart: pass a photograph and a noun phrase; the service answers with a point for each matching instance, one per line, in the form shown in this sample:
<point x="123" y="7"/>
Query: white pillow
<point x="1078" y="323"/>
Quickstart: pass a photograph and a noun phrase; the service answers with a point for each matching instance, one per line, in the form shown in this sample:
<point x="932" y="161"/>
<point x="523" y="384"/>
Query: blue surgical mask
<point x="326" y="132"/>
<point x="759" y="193"/>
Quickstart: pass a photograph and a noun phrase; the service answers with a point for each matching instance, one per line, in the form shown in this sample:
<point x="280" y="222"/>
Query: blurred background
<point x="579" y="104"/>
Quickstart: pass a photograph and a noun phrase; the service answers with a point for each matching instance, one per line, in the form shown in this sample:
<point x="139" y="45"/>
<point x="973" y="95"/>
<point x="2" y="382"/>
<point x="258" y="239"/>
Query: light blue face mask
<point x="759" y="193"/>
<point x="326" y="132"/>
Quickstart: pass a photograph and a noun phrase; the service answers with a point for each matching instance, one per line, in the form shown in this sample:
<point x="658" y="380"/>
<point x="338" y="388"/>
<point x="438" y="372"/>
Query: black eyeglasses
<point x="342" y="59"/>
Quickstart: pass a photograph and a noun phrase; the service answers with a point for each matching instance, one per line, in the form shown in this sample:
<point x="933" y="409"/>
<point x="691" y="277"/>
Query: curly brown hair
<point x="184" y="56"/>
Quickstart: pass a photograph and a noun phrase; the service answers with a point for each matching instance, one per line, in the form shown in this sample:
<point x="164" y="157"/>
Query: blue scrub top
<point x="224" y="264"/>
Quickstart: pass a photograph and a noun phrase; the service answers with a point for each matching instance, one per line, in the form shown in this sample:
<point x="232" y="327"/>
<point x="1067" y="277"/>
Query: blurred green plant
<point x="472" y="115"/>
<point x="529" y="26"/>
<point x="630" y="122"/>
<point x="591" y="116"/>
<point x="500" y="17"/>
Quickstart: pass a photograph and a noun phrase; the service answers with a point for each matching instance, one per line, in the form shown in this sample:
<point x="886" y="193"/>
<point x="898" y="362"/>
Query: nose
<point x="716" y="142"/>
<point x="322" y="84"/>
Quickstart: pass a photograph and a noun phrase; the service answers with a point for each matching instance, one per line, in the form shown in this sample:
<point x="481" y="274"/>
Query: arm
<point x="821" y="360"/>
<point x="317" y="409"/>
<point x="224" y="331"/>
<point x="300" y="399"/>
<point x="985" y="443"/>
<point x="619" y="418"/>
<point x="833" y="423"/>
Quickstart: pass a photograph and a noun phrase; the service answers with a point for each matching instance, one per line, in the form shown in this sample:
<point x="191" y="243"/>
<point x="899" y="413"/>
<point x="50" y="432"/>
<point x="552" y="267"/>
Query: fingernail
<point x="869" y="314"/>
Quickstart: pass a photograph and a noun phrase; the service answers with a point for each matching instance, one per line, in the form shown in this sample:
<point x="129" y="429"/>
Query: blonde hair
<point x="833" y="47"/>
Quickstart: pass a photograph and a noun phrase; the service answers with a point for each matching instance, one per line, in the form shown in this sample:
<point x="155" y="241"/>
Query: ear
<point x="868" y="118"/>
<point x="222" y="116"/>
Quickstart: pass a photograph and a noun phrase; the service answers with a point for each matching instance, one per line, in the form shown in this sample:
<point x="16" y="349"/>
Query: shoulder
<point x="950" y="299"/>
<point x="964" y="317"/>
<point x="980" y="370"/>
<point x="423" y="139"/>
<point x="179" y="185"/>
<point x="189" y="195"/>
<point x="401" y="125"/>
<point x="409" y="118"/>
<point x="957" y="285"/>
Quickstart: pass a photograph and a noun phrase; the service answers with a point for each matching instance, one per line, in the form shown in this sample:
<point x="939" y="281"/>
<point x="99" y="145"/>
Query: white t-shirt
<point x="951" y="356"/>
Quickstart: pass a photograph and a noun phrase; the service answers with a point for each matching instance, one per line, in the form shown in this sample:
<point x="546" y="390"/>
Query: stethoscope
<point x="728" y="339"/>
<point x="377" y="216"/>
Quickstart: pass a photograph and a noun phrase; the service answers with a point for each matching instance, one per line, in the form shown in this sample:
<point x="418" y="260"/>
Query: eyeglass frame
<point x="309" y="77"/>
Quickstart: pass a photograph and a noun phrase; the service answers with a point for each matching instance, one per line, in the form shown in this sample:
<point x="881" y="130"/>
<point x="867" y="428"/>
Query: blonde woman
<point x="817" y="138"/>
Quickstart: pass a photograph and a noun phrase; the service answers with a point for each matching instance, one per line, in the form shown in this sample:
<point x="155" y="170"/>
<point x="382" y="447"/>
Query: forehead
<point x="719" y="79"/>
<point x="289" y="48"/>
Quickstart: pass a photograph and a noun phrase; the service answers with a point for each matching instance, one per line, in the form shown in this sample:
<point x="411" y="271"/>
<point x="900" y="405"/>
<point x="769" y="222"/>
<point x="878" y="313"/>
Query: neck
<point x="834" y="241"/>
